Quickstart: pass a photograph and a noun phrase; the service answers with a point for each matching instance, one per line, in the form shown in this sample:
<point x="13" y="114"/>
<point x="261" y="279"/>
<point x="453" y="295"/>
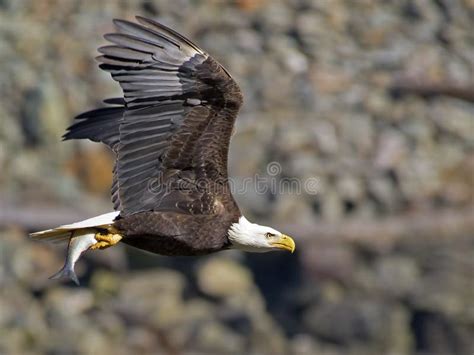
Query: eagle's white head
<point x="253" y="237"/>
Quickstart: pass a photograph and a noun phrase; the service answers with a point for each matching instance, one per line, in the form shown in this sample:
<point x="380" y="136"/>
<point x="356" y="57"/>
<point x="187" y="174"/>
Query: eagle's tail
<point x="63" y="233"/>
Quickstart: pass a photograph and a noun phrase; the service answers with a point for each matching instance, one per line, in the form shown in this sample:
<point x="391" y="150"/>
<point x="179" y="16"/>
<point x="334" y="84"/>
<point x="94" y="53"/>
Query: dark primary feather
<point x="172" y="134"/>
<point x="100" y="125"/>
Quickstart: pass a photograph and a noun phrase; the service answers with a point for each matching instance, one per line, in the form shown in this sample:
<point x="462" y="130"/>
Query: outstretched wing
<point x="180" y="108"/>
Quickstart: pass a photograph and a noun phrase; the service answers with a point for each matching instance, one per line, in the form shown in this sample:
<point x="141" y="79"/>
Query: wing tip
<point x="118" y="21"/>
<point x="147" y="21"/>
<point x="99" y="58"/>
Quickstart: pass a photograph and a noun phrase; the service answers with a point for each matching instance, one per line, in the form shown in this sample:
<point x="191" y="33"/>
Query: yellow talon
<point x="106" y="240"/>
<point x="100" y="245"/>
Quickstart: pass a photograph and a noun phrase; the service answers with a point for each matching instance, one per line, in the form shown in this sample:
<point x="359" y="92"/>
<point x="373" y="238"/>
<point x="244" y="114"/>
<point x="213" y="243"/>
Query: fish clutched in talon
<point x="91" y="234"/>
<point x="80" y="242"/>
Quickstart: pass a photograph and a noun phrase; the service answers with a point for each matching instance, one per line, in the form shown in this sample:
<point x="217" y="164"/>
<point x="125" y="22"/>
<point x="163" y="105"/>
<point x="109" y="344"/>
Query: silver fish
<point x="80" y="241"/>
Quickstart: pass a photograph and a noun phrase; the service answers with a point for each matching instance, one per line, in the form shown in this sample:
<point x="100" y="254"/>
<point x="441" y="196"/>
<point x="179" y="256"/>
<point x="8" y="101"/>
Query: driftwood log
<point x="377" y="234"/>
<point x="428" y="88"/>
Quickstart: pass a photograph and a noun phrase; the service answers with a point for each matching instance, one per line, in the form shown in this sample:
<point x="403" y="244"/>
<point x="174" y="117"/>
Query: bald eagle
<point x="170" y="134"/>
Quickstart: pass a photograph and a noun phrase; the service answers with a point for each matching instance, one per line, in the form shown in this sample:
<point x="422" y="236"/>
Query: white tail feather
<point x="64" y="232"/>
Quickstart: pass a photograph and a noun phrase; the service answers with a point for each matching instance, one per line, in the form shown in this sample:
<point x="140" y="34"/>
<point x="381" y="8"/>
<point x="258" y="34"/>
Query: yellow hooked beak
<point x="284" y="242"/>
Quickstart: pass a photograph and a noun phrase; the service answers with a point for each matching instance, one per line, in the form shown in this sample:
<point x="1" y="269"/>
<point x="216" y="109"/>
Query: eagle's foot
<point x="106" y="240"/>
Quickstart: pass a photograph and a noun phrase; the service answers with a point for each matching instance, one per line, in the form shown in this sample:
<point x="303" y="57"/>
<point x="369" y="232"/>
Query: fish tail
<point x="66" y="271"/>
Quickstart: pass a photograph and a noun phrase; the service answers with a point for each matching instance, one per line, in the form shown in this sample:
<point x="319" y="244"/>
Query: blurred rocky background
<point x="371" y="102"/>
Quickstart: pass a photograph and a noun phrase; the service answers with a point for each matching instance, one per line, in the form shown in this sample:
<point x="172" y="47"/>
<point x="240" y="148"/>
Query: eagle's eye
<point x="269" y="235"/>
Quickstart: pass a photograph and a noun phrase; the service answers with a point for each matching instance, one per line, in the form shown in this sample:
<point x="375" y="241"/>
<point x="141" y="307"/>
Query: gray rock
<point x="358" y="321"/>
<point x="397" y="276"/>
<point x="222" y="277"/>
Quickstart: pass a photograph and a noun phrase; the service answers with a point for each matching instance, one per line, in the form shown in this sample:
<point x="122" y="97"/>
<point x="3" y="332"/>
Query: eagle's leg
<point x="106" y="240"/>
